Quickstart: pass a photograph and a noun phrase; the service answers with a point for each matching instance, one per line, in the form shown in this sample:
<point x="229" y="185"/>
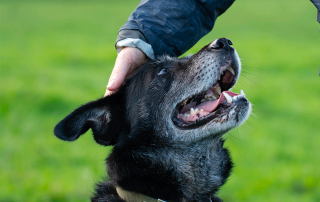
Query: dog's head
<point x="183" y="99"/>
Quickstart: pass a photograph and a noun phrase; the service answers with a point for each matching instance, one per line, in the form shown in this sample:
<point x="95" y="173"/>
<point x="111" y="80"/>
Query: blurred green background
<point x="57" y="55"/>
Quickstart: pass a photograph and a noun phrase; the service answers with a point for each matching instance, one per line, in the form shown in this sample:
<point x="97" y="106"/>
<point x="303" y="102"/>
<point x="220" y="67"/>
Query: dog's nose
<point x="221" y="43"/>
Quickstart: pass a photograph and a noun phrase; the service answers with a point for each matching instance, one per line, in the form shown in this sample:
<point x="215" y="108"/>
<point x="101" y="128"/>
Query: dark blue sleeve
<point x="317" y="4"/>
<point x="173" y="26"/>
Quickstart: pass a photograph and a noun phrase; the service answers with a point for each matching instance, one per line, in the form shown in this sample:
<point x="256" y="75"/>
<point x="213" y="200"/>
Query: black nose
<point x="221" y="43"/>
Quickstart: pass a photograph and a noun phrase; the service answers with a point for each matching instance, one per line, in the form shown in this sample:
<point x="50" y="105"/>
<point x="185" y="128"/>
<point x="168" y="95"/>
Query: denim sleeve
<point x="173" y="26"/>
<point x="317" y="4"/>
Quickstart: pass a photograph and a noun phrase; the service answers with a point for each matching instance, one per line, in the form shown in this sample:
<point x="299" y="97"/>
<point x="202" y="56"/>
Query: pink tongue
<point x="207" y="107"/>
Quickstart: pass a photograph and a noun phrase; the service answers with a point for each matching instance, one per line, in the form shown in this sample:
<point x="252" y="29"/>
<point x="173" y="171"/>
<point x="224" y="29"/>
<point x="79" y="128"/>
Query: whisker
<point x="251" y="74"/>
<point x="252" y="80"/>
<point x="254" y="115"/>
<point x="237" y="138"/>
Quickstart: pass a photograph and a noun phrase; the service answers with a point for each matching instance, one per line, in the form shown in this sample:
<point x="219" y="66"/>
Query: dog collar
<point x="130" y="196"/>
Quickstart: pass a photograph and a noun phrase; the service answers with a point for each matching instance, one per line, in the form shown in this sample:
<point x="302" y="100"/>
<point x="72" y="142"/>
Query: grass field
<point x="57" y="55"/>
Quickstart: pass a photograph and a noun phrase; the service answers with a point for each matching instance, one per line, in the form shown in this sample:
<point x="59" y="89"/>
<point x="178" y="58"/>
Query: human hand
<point x="128" y="61"/>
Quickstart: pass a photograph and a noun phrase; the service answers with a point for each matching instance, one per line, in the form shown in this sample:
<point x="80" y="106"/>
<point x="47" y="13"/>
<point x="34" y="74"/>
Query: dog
<point x="166" y="125"/>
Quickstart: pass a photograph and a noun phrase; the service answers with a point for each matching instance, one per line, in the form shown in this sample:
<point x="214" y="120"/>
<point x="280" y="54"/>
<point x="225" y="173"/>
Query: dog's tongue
<point x="204" y="108"/>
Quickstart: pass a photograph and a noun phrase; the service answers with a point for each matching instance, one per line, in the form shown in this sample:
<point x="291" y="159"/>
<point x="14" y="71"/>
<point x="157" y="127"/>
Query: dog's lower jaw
<point x="216" y="128"/>
<point x="197" y="174"/>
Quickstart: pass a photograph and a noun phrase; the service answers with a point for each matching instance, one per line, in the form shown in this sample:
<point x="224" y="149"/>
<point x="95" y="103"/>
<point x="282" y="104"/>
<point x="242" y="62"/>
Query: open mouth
<point x="212" y="104"/>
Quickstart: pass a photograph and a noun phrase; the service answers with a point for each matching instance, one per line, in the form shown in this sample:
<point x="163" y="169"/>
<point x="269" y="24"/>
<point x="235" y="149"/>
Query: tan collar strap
<point x="129" y="196"/>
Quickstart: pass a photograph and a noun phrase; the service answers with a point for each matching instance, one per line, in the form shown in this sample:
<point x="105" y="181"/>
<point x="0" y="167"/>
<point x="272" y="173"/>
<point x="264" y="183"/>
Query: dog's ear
<point x="104" y="116"/>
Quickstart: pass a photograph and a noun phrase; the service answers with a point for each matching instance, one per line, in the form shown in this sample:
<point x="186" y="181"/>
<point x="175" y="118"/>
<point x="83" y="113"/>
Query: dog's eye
<point x="163" y="71"/>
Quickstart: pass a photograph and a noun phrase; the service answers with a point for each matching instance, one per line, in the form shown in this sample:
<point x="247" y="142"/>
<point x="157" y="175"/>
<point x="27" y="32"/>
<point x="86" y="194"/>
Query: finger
<point x="109" y="92"/>
<point x="127" y="63"/>
<point x="118" y="74"/>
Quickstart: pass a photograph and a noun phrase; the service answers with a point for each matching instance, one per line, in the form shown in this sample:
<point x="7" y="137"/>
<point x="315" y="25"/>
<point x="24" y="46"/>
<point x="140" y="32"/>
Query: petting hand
<point x="128" y="61"/>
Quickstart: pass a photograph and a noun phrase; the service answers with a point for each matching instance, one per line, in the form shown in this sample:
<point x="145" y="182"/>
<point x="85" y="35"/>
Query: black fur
<point x="150" y="155"/>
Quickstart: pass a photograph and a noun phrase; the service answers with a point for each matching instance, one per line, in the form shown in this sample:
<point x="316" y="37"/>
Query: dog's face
<point x="183" y="99"/>
<point x="183" y="96"/>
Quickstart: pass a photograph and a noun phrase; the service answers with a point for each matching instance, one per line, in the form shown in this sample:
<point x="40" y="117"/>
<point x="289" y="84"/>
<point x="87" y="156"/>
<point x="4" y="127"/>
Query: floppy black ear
<point x="104" y="116"/>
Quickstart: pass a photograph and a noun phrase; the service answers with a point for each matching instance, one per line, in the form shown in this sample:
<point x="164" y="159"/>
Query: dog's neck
<point x="203" y="167"/>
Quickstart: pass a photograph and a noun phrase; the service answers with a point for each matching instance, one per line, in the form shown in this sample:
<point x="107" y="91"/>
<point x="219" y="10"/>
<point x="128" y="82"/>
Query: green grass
<point x="57" y="55"/>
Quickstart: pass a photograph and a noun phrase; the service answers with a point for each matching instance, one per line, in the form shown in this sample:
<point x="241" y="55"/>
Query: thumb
<point x="119" y="72"/>
<point x="128" y="60"/>
<point x="118" y="76"/>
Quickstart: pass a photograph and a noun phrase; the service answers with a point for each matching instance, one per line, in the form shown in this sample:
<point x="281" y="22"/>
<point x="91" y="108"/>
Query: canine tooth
<point x="218" y="90"/>
<point x="192" y="111"/>
<point x="230" y="69"/>
<point x="228" y="97"/>
<point x="196" y="110"/>
<point x="241" y="92"/>
<point x="201" y="110"/>
<point x="185" y="102"/>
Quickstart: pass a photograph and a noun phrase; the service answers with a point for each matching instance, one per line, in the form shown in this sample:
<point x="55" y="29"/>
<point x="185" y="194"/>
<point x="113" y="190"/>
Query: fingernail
<point x="110" y="83"/>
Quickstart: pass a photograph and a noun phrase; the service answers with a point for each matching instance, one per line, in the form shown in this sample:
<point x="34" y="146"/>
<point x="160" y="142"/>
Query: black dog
<point x="166" y="125"/>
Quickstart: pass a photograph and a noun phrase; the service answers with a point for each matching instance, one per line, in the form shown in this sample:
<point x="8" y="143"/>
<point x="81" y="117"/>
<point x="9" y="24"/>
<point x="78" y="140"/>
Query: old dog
<point x="166" y="124"/>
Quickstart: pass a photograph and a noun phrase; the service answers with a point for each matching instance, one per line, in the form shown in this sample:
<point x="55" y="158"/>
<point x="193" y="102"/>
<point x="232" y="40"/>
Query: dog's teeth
<point x="192" y="111"/>
<point x="228" y="97"/>
<point x="234" y="98"/>
<point x="218" y="90"/>
<point x="201" y="110"/>
<point x="196" y="110"/>
<point x="212" y="97"/>
<point x="209" y="97"/>
<point x="230" y="69"/>
<point x="241" y="92"/>
<point x="184" y="102"/>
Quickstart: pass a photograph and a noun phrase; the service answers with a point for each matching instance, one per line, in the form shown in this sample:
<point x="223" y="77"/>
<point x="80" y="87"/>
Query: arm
<point x="162" y="27"/>
<point x="172" y="27"/>
<point x="317" y="4"/>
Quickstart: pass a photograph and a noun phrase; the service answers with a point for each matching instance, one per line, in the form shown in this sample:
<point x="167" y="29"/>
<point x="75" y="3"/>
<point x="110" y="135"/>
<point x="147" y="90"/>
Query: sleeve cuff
<point x="136" y="43"/>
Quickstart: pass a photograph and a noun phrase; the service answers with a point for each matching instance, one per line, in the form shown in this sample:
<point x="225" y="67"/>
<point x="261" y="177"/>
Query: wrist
<point x="134" y="39"/>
